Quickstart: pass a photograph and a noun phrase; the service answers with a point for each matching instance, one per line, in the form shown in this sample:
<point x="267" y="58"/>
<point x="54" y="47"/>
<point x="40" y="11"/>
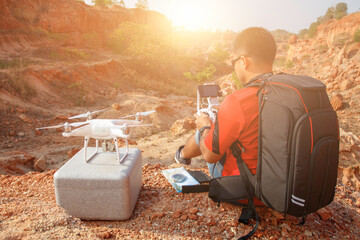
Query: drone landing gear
<point x="118" y="152"/>
<point x="105" y="148"/>
<point x="86" y="143"/>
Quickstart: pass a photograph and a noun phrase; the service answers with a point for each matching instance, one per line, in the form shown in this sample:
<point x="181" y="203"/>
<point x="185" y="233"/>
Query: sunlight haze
<point x="236" y="15"/>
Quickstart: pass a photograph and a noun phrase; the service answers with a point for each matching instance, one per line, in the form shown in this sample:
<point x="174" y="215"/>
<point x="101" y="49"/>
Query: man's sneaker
<point x="178" y="159"/>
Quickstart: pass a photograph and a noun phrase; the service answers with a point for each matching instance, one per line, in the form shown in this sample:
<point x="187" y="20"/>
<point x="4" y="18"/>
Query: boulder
<point x="345" y="85"/>
<point x="20" y="110"/>
<point x="293" y="39"/>
<point x="182" y="126"/>
<point x="115" y="106"/>
<point x="337" y="101"/>
<point x="72" y="152"/>
<point x="324" y="214"/>
<point x="25" y="118"/>
<point x="40" y="164"/>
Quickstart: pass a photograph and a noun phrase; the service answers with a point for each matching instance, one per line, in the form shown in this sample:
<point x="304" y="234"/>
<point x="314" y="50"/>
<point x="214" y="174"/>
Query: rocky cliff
<point x="333" y="57"/>
<point x="74" y="18"/>
<point x="332" y="28"/>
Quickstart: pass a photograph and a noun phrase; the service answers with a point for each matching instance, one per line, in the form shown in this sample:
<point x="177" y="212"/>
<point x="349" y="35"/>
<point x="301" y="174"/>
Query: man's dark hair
<point x="256" y="42"/>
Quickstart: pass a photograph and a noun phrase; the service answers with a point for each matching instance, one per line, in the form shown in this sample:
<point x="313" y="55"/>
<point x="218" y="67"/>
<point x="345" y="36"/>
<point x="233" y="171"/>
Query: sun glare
<point x="191" y="16"/>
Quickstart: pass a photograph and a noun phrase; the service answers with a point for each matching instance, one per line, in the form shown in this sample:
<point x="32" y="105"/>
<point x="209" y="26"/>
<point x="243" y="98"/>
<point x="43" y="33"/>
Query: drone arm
<point x="79" y="132"/>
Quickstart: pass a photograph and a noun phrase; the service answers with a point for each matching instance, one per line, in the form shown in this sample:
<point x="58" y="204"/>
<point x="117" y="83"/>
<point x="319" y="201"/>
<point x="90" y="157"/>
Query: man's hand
<point x="202" y="120"/>
<point x="227" y="88"/>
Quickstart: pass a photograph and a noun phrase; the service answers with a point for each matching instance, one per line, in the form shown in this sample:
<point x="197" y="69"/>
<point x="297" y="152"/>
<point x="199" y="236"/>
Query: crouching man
<point x="254" y="51"/>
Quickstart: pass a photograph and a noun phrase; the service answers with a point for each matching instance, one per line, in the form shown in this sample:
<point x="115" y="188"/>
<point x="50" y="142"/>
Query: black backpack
<point x="298" y="151"/>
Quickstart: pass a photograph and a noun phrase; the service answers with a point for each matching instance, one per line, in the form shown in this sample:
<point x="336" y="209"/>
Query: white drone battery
<point x="101" y="189"/>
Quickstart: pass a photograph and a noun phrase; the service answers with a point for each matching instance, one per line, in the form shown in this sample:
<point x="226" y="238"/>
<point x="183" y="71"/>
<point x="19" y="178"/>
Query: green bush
<point x="14" y="63"/>
<point x="281" y="35"/>
<point x="236" y="81"/>
<point x="74" y="85"/>
<point x="59" y="37"/>
<point x="322" y="48"/>
<point x="61" y="54"/>
<point x="340" y="39"/>
<point x="302" y="33"/>
<point x="312" y="29"/>
<point x="204" y="75"/>
<point x="218" y="57"/>
<point x="75" y="54"/>
<point x="340" y="10"/>
<point x="280" y="62"/>
<point x="289" y="64"/>
<point x="357" y="36"/>
<point x="143" y="4"/>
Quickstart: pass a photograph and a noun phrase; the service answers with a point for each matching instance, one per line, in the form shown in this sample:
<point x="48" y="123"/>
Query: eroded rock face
<point x="182" y="126"/>
<point x="83" y="25"/>
<point x="7" y="21"/>
<point x="16" y="162"/>
<point x="49" y="15"/>
<point x="329" y="30"/>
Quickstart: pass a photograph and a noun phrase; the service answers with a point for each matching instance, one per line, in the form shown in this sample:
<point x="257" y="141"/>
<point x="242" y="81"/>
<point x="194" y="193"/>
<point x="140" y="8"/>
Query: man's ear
<point x="245" y="62"/>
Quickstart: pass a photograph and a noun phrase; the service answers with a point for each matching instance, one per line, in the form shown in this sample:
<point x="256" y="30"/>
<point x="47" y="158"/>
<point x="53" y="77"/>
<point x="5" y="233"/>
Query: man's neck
<point x="252" y="76"/>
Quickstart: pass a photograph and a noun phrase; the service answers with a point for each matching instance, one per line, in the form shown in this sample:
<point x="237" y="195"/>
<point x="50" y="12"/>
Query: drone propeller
<point x="140" y="114"/>
<point x="139" y="125"/>
<point x="75" y="124"/>
<point x="88" y="114"/>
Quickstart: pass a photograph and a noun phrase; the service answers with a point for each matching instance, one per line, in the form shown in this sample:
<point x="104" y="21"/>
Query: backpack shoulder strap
<point x="258" y="81"/>
<point x="250" y="211"/>
<point x="237" y="149"/>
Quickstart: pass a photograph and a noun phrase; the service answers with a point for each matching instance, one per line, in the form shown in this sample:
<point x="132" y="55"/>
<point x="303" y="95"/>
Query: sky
<point x="290" y="15"/>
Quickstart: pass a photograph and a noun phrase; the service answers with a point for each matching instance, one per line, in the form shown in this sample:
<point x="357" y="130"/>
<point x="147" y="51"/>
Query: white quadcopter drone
<point x="102" y="129"/>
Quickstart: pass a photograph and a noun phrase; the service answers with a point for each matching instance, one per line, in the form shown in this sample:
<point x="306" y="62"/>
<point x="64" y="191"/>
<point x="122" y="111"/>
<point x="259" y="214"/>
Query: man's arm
<point x="208" y="155"/>
<point x="190" y="149"/>
<point x="202" y="121"/>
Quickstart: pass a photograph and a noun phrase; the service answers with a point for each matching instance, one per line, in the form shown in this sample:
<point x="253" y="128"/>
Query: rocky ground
<point x="29" y="211"/>
<point x="29" y="158"/>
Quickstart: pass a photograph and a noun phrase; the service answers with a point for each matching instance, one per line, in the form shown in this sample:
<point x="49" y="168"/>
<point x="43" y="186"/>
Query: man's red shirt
<point x="237" y="119"/>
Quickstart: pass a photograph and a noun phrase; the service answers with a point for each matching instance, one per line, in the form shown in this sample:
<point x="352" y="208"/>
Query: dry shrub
<point x="16" y="84"/>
